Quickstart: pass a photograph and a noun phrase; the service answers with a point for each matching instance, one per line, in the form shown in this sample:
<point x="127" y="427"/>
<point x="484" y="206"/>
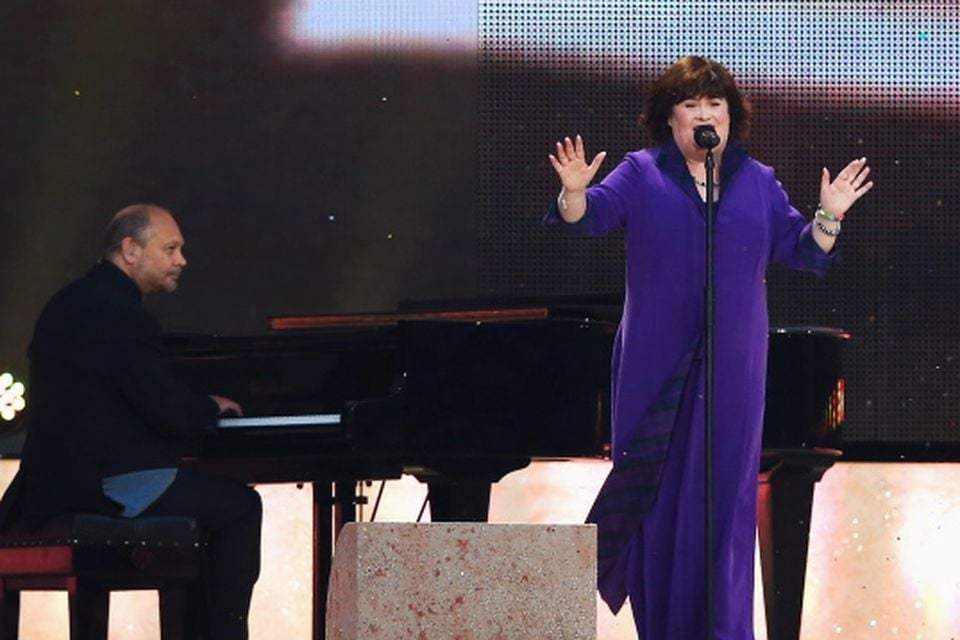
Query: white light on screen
<point x="899" y="45"/>
<point x="335" y="25"/>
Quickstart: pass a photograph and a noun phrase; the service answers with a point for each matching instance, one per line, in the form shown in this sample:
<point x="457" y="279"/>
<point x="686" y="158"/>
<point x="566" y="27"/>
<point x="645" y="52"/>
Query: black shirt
<point x="103" y="400"/>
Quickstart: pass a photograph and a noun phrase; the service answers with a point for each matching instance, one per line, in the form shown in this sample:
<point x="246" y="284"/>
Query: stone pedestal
<point x="463" y="581"/>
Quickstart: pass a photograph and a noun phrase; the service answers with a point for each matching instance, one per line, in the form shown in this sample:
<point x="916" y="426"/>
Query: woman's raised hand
<point x="851" y="183"/>
<point x="571" y="165"/>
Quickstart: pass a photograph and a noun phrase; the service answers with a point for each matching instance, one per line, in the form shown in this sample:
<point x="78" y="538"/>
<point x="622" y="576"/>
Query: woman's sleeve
<point x="793" y="244"/>
<point x="607" y="203"/>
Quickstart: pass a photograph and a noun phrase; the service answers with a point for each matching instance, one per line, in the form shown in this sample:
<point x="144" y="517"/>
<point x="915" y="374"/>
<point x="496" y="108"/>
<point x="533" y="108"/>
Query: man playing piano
<point x="110" y="423"/>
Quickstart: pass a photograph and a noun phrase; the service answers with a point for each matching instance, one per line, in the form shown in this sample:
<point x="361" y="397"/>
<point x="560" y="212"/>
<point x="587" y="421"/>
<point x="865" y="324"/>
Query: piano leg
<point x="458" y="500"/>
<point x="785" y="502"/>
<point x="322" y="556"/>
<point x="459" y="488"/>
<point x="330" y="512"/>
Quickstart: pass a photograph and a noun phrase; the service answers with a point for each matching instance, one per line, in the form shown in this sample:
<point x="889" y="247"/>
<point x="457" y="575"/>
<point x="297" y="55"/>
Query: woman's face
<point x="693" y="112"/>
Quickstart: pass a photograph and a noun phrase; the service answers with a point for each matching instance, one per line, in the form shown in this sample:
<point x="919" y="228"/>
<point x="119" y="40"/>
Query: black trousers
<point x="229" y="514"/>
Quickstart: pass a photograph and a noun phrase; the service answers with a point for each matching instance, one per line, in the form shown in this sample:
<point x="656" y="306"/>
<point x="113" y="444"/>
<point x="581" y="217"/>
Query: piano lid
<point x="604" y="307"/>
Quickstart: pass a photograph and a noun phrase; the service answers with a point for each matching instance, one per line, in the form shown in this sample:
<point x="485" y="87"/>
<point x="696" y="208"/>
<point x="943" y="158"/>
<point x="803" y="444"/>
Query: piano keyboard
<point x="278" y="421"/>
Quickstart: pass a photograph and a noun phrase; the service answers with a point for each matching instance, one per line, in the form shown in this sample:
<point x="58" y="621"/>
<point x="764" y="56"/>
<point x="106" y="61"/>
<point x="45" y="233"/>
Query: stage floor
<point x="882" y="563"/>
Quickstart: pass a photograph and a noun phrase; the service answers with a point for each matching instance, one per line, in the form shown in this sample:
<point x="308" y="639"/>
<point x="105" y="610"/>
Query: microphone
<point x="706" y="136"/>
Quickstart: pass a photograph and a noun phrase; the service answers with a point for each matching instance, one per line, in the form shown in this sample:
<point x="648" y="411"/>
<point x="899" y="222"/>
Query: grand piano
<point x="460" y="394"/>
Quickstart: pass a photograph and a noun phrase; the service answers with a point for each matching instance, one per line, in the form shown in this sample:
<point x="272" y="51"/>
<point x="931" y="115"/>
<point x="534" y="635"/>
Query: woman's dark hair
<point x="694" y="77"/>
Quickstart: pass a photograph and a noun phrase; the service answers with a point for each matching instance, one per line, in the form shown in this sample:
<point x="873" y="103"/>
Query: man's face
<point x="160" y="260"/>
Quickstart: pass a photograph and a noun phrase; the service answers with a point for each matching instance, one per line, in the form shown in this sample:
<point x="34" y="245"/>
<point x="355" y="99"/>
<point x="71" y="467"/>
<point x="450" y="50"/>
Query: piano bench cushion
<point x="152" y="552"/>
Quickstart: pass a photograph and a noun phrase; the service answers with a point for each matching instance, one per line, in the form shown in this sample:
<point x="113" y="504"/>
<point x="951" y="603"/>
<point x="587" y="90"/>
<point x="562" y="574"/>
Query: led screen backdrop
<point x="320" y="154"/>
<point x="829" y="82"/>
<point x="329" y="156"/>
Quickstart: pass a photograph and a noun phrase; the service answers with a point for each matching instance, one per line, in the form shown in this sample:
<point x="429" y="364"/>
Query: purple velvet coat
<point x="649" y="512"/>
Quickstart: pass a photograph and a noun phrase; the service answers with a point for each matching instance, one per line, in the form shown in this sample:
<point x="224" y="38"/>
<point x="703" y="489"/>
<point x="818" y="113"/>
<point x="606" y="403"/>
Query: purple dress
<point x="649" y="512"/>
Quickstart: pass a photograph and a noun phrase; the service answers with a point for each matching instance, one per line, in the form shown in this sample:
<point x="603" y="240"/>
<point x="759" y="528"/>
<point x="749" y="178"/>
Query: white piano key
<point x="278" y="421"/>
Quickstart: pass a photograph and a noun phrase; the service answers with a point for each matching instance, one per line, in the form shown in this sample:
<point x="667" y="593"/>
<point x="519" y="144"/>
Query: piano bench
<point x="90" y="555"/>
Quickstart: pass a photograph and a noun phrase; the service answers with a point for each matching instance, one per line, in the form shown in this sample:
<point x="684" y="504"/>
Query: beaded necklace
<point x="703" y="183"/>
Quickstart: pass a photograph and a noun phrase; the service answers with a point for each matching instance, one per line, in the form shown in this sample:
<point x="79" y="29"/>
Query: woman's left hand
<point x="838" y="196"/>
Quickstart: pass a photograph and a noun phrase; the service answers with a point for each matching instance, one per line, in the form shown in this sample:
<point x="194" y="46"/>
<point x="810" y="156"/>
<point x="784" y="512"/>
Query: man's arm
<point x="141" y="371"/>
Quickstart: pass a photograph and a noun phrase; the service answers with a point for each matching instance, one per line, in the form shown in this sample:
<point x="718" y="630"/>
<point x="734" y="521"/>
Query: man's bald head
<point x="144" y="241"/>
<point x="134" y="222"/>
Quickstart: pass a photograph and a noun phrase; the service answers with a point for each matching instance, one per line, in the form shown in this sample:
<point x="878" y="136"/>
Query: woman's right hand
<point x="571" y="165"/>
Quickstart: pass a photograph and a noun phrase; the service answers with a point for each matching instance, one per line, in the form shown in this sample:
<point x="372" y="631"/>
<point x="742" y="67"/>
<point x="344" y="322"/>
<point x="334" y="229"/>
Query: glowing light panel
<point x="322" y="25"/>
<point x="12" y="401"/>
<point x="879" y="45"/>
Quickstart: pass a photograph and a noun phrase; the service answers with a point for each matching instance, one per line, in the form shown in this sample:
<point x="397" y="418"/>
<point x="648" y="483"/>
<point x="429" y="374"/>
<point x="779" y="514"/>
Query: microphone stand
<point x="708" y="317"/>
<point x="706" y="137"/>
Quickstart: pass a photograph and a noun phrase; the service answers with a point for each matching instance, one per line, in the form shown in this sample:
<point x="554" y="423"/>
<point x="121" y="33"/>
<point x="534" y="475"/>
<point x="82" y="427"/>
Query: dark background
<point x="351" y="182"/>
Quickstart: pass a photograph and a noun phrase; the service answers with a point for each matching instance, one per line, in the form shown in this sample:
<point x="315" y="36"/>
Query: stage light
<point x="12" y="401"/>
